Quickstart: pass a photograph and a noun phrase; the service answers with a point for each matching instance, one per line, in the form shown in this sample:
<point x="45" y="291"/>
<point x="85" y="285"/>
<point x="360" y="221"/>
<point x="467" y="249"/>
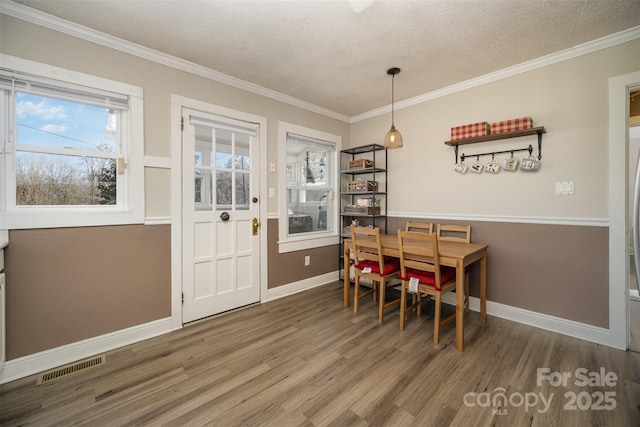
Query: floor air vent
<point x="69" y="369"/>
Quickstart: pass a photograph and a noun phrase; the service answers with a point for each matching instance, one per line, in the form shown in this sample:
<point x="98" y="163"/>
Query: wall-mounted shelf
<point x="533" y="131"/>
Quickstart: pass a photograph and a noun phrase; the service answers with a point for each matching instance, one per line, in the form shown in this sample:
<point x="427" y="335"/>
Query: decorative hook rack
<point x="493" y="153"/>
<point x="533" y="131"/>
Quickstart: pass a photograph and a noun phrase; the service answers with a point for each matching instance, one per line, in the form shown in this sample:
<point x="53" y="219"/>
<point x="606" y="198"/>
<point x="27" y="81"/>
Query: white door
<point x="220" y="253"/>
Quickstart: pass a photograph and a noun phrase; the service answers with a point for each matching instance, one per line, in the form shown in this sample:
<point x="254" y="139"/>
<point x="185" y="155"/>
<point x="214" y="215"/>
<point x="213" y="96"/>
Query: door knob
<point x="255" y="224"/>
<point x="225" y="216"/>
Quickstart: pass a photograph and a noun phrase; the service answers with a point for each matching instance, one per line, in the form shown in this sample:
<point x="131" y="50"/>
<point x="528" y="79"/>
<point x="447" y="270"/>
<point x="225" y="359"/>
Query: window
<point x="72" y="148"/>
<point x="308" y="159"/>
<point x="65" y="152"/>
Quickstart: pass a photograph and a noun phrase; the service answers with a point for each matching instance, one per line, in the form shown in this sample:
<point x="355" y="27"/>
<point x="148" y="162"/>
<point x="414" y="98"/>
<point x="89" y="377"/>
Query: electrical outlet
<point x="307" y="260"/>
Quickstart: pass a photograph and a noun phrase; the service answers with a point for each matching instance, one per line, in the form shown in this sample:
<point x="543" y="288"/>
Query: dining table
<point x="452" y="254"/>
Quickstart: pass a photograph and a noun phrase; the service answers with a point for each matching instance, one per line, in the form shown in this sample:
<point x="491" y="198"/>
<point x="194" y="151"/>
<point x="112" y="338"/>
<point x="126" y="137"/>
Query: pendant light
<point x="393" y="138"/>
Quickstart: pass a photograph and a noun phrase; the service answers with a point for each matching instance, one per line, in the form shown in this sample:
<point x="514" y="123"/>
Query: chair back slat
<point x="454" y="233"/>
<point x="419" y="226"/>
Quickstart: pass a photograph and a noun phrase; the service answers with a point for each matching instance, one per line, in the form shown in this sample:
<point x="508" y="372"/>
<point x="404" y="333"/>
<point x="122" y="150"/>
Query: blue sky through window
<point x="50" y="122"/>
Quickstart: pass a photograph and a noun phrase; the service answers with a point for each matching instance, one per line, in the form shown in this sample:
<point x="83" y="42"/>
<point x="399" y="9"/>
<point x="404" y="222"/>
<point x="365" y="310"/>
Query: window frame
<point x="291" y="243"/>
<point x="130" y="210"/>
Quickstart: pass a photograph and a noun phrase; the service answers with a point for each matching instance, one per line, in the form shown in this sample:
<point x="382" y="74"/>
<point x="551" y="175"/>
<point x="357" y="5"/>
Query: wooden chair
<point x="419" y="259"/>
<point x="457" y="233"/>
<point x="369" y="263"/>
<point x="419" y="226"/>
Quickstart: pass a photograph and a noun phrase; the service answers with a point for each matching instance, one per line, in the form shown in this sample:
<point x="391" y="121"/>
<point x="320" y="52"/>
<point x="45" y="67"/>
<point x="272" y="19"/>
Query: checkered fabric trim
<point x="470" y="131"/>
<point x="521" y="123"/>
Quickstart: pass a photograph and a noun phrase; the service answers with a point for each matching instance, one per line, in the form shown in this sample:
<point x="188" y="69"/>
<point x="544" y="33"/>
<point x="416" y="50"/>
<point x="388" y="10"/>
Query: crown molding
<point x="46" y="20"/>
<point x="9" y="7"/>
<point x="554" y="58"/>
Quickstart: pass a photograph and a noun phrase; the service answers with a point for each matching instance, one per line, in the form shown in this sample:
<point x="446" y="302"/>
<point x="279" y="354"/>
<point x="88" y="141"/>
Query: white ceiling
<point x="326" y="54"/>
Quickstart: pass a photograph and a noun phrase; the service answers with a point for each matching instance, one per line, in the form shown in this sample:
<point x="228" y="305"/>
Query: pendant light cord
<point x="392" y="72"/>
<point x="393" y="78"/>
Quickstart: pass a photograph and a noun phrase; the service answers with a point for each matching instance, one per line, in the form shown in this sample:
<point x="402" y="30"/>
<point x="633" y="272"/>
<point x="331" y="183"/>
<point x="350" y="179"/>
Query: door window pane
<point x="203" y="171"/>
<point x="224" y="190"/>
<point x="242" y="145"/>
<point x="223" y="149"/>
<point x="243" y="192"/>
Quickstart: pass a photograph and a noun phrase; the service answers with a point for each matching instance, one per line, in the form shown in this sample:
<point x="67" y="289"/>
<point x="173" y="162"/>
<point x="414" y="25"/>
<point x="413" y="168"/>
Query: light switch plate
<point x="568" y="187"/>
<point x="565" y="188"/>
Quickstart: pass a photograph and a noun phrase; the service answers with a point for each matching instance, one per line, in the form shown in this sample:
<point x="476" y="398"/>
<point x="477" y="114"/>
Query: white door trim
<point x="618" y="193"/>
<point x="177" y="103"/>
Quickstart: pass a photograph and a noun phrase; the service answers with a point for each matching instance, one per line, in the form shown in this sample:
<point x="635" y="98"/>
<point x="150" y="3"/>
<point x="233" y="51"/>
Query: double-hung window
<point x="308" y="160"/>
<point x="72" y="148"/>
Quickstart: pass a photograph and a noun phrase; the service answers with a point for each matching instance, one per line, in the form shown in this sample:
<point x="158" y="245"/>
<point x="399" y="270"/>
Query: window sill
<point x="31" y="220"/>
<point x="306" y="242"/>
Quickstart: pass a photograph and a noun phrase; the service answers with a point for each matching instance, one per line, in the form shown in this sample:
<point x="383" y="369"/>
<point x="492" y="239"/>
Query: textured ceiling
<point x="324" y="53"/>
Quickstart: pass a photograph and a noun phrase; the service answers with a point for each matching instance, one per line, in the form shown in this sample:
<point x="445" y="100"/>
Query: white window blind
<point x="16" y="81"/>
<point x="237" y="126"/>
<point x="311" y="142"/>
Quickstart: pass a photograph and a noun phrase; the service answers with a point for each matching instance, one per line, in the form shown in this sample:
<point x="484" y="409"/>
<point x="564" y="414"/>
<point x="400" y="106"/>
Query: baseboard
<point x="48" y="359"/>
<point x="302" y="285"/>
<point x="543" y="321"/>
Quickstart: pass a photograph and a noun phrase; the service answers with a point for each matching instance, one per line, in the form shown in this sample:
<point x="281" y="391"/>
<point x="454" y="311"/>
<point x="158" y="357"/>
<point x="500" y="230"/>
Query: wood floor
<point x="305" y="360"/>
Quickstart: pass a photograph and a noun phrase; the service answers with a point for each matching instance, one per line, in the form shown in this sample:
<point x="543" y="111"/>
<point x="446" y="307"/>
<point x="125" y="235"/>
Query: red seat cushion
<point x="429" y="278"/>
<point x="391" y="264"/>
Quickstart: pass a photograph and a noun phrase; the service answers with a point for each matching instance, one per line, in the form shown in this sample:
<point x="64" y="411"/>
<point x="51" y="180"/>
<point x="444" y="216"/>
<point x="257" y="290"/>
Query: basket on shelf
<point x="362" y="210"/>
<point x="360" y="164"/>
<point x="362" y="186"/>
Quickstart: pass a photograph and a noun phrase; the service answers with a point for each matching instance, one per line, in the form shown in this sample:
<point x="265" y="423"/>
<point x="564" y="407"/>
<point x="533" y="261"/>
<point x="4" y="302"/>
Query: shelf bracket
<point x="539" y="146"/>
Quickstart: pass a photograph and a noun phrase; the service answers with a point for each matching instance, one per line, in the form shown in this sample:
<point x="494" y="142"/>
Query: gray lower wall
<point x="289" y="267"/>
<point x="70" y="284"/>
<point x="66" y="285"/>
<point x="559" y="270"/>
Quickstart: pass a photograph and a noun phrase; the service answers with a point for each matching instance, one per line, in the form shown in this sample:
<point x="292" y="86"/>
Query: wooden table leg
<point x="346" y="278"/>
<point x="483" y="288"/>
<point x="460" y="305"/>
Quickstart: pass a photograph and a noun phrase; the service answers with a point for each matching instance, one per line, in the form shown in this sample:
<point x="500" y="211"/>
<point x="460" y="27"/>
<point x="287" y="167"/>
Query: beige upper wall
<point x="29" y="41"/>
<point x="570" y="99"/>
